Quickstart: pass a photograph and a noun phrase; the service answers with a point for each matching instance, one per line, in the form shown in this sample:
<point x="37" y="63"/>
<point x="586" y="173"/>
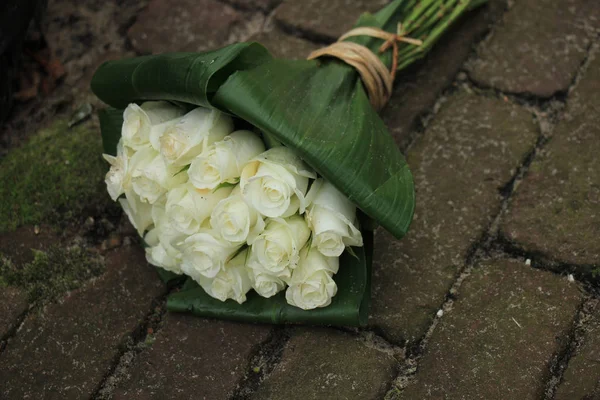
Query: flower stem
<point x="425" y="20"/>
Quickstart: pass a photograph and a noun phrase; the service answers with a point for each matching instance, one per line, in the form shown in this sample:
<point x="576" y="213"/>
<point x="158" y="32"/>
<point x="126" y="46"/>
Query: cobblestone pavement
<point x="492" y="295"/>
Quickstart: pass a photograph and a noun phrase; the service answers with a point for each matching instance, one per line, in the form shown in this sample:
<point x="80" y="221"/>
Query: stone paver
<point x="185" y="25"/>
<point x="64" y="351"/>
<point x="539" y="46"/>
<point x="193" y="358"/>
<point x="581" y="380"/>
<point x="285" y="46"/>
<point x="326" y="20"/>
<point x="508" y="323"/>
<point x="75" y="27"/>
<point x="556" y="209"/>
<point x="19" y="244"/>
<point x="328" y="364"/>
<point x="470" y="150"/>
<point x="13" y="303"/>
<point x="417" y="89"/>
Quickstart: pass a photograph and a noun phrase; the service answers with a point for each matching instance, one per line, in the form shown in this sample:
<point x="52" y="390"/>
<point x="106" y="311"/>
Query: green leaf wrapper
<point x="349" y="306"/>
<point x="320" y="109"/>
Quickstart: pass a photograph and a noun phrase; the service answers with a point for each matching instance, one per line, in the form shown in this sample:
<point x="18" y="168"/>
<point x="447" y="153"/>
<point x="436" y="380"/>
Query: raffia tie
<point x="378" y="80"/>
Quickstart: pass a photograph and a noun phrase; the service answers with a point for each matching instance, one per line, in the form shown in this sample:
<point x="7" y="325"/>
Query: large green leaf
<point x="185" y="77"/>
<point x="349" y="306"/>
<point x="111" y="121"/>
<point x="326" y="116"/>
<point x="318" y="107"/>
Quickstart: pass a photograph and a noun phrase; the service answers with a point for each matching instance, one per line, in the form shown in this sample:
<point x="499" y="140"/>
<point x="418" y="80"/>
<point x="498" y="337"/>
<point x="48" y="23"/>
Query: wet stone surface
<point x="538" y="48"/>
<point x="508" y="325"/>
<point x="13" y="303"/>
<point x="193" y="357"/>
<point x="468" y="153"/>
<point x="556" y="209"/>
<point x="65" y="350"/>
<point x="20" y="244"/>
<point x="188" y="25"/>
<point x="324" y="20"/>
<point x="328" y="364"/>
<point x="282" y="45"/>
<point x="503" y="331"/>
<point x="581" y="380"/>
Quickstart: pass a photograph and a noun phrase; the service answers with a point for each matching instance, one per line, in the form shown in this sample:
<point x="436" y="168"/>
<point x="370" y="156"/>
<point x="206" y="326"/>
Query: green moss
<point x="149" y="340"/>
<point x="393" y="394"/>
<point x="52" y="272"/>
<point x="55" y="178"/>
<point x="536" y="167"/>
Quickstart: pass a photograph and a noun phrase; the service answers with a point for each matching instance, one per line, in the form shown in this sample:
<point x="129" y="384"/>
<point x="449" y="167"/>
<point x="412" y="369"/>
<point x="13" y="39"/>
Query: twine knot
<point x="378" y="80"/>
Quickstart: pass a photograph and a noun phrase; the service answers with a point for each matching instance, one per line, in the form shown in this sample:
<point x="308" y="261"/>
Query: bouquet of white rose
<point x="244" y="172"/>
<point x="214" y="204"/>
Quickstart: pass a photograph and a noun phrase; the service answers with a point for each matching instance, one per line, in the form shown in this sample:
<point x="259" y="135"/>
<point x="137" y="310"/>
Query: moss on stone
<point x="55" y="178"/>
<point x="51" y="273"/>
<point x="149" y="340"/>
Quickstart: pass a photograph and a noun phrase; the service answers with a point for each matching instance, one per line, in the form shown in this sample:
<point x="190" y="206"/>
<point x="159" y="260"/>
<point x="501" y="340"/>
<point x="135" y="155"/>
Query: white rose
<point x="138" y="212"/>
<point x="312" y="285"/>
<point x="118" y="178"/>
<point x="265" y="284"/>
<point x="196" y="130"/>
<point x="277" y="248"/>
<point x="188" y="208"/>
<point x="204" y="255"/>
<point x="275" y="182"/>
<point x="158" y="131"/>
<point x="332" y="219"/>
<point x="232" y="282"/>
<point x="151" y="177"/>
<point x="224" y="160"/>
<point x="139" y="121"/>
<point x="162" y="241"/>
<point x="235" y="221"/>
